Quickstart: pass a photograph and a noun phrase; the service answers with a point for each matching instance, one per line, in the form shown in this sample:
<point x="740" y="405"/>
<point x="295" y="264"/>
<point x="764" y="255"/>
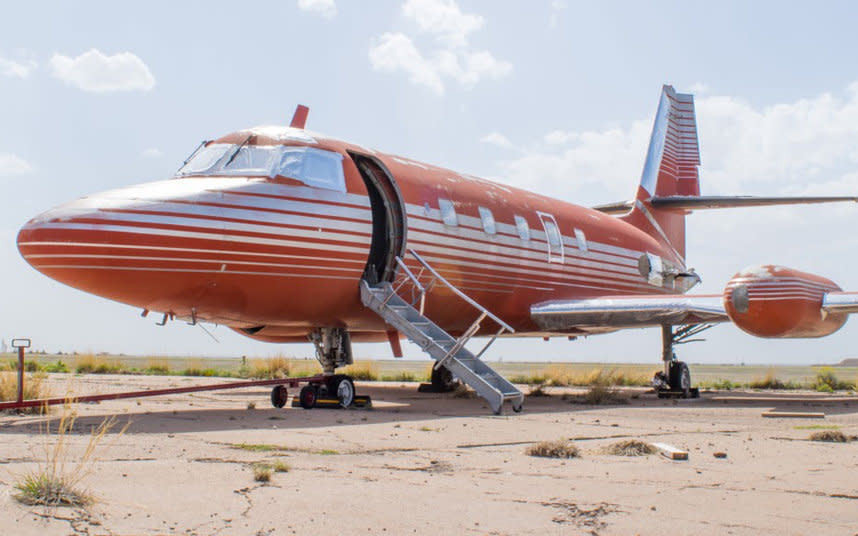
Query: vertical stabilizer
<point x="670" y="170"/>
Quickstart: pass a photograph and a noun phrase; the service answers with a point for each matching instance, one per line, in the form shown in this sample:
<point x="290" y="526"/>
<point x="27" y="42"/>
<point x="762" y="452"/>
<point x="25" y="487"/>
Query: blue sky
<point x="555" y="96"/>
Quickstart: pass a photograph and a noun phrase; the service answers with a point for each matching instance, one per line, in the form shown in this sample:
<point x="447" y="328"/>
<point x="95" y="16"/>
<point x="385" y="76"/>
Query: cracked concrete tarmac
<point x="424" y="464"/>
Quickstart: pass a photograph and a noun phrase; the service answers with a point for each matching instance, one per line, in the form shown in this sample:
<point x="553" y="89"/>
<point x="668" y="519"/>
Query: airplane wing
<point x="611" y="313"/>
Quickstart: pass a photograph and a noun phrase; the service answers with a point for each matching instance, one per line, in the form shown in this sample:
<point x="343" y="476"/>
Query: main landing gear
<point x="675" y="380"/>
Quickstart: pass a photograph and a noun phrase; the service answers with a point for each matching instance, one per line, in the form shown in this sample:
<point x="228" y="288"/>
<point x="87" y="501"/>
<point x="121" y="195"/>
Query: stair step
<point x="421" y="330"/>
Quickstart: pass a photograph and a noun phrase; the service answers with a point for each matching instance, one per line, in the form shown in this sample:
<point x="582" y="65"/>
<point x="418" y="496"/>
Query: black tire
<point x="344" y="388"/>
<point x="442" y="380"/>
<point x="308" y="396"/>
<point x="680" y="378"/>
<point x="279" y="396"/>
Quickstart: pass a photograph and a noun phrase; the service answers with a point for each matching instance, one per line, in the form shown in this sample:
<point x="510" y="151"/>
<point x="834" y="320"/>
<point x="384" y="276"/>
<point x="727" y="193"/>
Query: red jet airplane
<point x="285" y="235"/>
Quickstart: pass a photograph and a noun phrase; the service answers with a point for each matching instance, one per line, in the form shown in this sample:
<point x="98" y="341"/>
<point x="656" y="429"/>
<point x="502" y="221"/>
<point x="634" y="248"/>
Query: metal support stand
<point x="20" y="344"/>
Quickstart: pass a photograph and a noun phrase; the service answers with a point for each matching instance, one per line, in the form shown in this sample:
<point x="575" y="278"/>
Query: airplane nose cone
<point x="125" y="245"/>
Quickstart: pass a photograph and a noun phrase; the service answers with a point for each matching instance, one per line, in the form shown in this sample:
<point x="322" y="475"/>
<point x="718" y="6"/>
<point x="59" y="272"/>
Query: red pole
<point x="20" y="374"/>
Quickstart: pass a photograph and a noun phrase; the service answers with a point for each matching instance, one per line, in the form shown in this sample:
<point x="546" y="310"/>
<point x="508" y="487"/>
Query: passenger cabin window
<point x="448" y="212"/>
<point x="553" y="234"/>
<point x="522" y="227"/>
<point x="554" y="240"/>
<point x="581" y="240"/>
<point x="488" y="221"/>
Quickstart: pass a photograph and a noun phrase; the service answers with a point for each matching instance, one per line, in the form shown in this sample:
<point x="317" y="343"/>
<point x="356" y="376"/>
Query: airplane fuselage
<point x="273" y="256"/>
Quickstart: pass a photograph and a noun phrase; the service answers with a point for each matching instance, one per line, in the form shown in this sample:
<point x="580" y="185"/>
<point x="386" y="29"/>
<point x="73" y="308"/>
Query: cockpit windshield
<point x="313" y="167"/>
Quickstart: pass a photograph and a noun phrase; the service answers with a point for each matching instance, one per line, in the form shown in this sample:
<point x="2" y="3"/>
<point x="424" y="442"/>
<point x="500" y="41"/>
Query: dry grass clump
<point x="630" y="447"/>
<point x="157" y="367"/>
<point x="262" y="472"/>
<point x="280" y="466"/>
<point x="537" y="391"/>
<point x="830" y="436"/>
<point x="770" y="381"/>
<point x="362" y="371"/>
<point x="599" y="395"/>
<point x="273" y="367"/>
<point x="91" y="364"/>
<point x="57" y="480"/>
<point x="34" y="388"/>
<point x="561" y="448"/>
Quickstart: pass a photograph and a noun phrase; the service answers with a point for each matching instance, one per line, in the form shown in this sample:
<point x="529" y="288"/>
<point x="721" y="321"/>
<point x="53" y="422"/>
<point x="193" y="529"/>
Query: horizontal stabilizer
<point x="688" y="203"/>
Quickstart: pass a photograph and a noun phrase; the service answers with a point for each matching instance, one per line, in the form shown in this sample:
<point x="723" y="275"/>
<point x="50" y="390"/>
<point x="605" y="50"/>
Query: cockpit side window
<point x="204" y="159"/>
<point x="313" y="167"/>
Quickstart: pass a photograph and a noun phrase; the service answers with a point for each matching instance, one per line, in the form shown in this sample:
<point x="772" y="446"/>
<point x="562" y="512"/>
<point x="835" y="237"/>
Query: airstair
<point x="448" y="351"/>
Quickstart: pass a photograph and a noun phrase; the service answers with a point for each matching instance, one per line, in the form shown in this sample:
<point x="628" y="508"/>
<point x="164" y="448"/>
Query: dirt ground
<point x="434" y="464"/>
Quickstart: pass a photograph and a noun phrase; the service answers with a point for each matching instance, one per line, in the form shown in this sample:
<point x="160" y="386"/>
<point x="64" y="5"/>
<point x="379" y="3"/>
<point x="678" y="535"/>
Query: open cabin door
<point x="388" y="219"/>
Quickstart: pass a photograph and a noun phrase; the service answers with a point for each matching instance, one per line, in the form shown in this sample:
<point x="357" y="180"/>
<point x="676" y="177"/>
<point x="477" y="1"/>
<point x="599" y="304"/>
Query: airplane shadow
<point x="395" y="404"/>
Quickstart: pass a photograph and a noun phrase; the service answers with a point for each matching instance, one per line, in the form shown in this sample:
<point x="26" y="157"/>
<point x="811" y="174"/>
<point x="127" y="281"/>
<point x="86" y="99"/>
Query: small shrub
<point x="600" y="395"/>
<point x="59" y="366"/>
<point x="826" y="381"/>
<point x="560" y="448"/>
<point x="262" y="472"/>
<point x="362" y="371"/>
<point x="280" y="466"/>
<point x="630" y="447"/>
<point x="31" y="366"/>
<point x="831" y="436"/>
<point x="251" y="405"/>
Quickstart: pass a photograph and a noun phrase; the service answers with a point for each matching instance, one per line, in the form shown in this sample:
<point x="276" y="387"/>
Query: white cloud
<point x="12" y="165"/>
<point x="443" y="19"/>
<point x="698" y="88"/>
<point x="809" y="146"/>
<point x="455" y="60"/>
<point x="16" y="69"/>
<point x="96" y="72"/>
<point x="396" y="52"/>
<point x="152" y="152"/>
<point x="496" y="138"/>
<point x="325" y="8"/>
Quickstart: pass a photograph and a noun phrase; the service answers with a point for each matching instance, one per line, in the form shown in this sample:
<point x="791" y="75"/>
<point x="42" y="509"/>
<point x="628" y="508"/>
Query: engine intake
<point x="778" y="302"/>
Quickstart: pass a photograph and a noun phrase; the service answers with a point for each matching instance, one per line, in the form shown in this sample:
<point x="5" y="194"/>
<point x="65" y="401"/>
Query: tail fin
<point x="670" y="170"/>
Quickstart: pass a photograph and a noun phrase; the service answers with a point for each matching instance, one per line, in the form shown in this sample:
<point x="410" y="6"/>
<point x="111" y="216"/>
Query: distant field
<point x="390" y="369"/>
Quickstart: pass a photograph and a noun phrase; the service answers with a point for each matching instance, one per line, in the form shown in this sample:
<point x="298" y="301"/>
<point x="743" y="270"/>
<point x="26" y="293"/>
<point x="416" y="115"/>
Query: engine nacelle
<point x="777" y="302"/>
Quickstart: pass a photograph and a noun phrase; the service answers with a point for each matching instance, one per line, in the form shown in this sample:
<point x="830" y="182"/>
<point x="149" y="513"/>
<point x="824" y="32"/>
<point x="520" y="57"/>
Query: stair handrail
<point x="414" y="279"/>
<point x="465" y="297"/>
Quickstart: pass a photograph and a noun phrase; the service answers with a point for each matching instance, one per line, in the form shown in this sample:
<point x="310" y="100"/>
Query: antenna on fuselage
<point x="299" y="118"/>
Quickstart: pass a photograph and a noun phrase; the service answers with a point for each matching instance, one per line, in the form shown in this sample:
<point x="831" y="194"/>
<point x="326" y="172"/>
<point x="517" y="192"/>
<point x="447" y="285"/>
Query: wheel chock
<point x="326" y="402"/>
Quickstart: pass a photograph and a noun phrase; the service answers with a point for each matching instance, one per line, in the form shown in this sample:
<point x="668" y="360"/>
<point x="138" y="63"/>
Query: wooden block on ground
<point x="794" y="414"/>
<point x="671" y="452"/>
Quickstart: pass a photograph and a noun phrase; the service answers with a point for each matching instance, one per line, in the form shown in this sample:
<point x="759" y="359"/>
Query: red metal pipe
<point x="291" y="382"/>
